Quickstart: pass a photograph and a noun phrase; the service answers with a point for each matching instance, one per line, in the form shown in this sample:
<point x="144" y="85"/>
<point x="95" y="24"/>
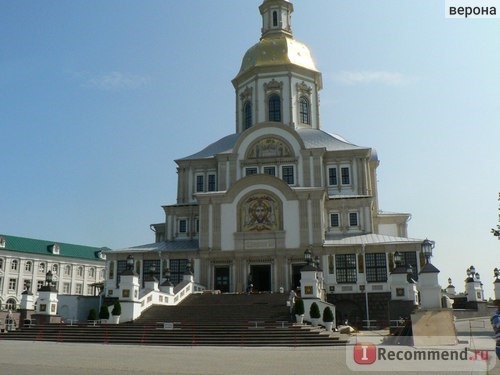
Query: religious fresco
<point x="260" y="213"/>
<point x="269" y="147"/>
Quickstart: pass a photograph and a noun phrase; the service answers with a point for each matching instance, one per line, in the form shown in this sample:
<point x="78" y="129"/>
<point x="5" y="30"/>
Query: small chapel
<point x="251" y="204"/>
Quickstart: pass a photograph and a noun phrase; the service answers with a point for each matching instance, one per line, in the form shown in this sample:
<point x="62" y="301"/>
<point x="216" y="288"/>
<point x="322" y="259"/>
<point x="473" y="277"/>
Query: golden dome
<point x="278" y="49"/>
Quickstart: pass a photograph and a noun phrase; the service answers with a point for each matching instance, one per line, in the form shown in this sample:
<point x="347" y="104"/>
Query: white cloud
<point x="113" y="81"/>
<point x="368" y="77"/>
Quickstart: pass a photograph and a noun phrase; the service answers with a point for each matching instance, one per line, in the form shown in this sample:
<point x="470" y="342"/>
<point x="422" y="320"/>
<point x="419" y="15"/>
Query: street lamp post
<point x="427" y="247"/>
<point x="308" y="256"/>
<point x="130" y="262"/>
<point x="48" y="278"/>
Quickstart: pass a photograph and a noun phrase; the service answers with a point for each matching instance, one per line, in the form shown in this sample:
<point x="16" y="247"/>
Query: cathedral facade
<point x="250" y="204"/>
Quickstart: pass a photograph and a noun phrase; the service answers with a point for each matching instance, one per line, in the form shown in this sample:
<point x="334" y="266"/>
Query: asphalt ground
<point x="41" y="358"/>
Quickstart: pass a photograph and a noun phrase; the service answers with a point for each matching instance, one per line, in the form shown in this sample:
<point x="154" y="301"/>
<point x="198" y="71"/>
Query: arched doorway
<point x="11" y="304"/>
<point x="347" y="310"/>
<point x="260" y="277"/>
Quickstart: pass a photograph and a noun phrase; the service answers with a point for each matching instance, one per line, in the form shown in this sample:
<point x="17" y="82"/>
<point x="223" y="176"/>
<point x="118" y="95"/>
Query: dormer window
<point x="54" y="249"/>
<point x="99" y="254"/>
<point x="2" y="242"/>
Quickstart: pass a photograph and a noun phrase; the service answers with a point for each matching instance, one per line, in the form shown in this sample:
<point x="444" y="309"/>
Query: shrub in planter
<point x="327" y="315"/>
<point x="314" y="311"/>
<point x="298" y="310"/>
<point x="92" y="314"/>
<point x="299" y="306"/>
<point x="117" y="308"/>
<point x="328" y="318"/>
<point x="104" y="312"/>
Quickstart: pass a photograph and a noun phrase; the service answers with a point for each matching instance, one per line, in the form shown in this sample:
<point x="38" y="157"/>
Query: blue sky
<point x="97" y="98"/>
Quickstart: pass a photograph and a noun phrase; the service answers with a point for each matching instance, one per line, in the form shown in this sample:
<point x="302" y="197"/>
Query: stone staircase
<point x="206" y="319"/>
<point x="221" y="309"/>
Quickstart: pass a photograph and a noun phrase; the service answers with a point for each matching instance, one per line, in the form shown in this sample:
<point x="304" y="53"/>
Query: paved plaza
<point x="43" y="358"/>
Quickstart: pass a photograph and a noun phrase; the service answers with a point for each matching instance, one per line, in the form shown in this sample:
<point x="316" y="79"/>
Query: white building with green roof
<point x="24" y="262"/>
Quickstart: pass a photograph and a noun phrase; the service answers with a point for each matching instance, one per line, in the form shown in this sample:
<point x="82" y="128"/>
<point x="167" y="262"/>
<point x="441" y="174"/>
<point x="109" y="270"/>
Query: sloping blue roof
<point x="43" y="247"/>
<point x="315" y="138"/>
<point x="371" y="239"/>
<point x="167" y="246"/>
<point x="312" y="138"/>
<point x="222" y="146"/>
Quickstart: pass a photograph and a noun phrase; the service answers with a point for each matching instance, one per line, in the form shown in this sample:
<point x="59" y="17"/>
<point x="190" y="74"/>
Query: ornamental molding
<point x="246" y="94"/>
<point x="303" y="88"/>
<point x="273" y="85"/>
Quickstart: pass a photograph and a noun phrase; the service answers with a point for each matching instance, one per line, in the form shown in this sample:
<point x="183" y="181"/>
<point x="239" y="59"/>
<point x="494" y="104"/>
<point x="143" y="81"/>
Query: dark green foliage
<point x="314" y="311"/>
<point x="104" y="312"/>
<point x="327" y="315"/>
<point x="299" y="306"/>
<point x="117" y="308"/>
<point x="92" y="314"/>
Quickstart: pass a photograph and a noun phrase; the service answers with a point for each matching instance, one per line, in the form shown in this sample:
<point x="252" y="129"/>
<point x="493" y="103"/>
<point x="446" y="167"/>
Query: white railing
<point x="156" y="297"/>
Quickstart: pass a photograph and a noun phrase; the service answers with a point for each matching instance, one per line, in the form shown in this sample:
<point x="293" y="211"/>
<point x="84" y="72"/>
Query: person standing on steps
<point x="495" y="322"/>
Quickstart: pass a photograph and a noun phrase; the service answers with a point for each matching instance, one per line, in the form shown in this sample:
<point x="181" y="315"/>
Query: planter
<point x="315" y="322"/>
<point x="328" y="326"/>
<point x="299" y="319"/>
<point x="115" y="319"/>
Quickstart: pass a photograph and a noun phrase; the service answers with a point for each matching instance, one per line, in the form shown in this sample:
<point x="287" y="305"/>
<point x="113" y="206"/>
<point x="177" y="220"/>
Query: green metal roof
<point x="42" y="247"/>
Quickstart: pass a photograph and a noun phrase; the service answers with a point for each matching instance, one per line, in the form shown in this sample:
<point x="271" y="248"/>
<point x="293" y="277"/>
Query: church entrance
<point x="261" y="277"/>
<point x="221" y="279"/>
<point x="296" y="275"/>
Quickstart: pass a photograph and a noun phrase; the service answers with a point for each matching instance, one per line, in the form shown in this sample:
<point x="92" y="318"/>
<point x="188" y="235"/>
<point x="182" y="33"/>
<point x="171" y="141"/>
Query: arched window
<point x="10" y="304"/>
<point x="13" y="265"/>
<point x="305" y="113"/>
<point x="247" y="115"/>
<point x="27" y="266"/>
<point x="1" y="263"/>
<point x="79" y="271"/>
<point x="111" y="270"/>
<point x="275" y="18"/>
<point x="67" y="270"/>
<point x="91" y="272"/>
<point x="275" y="108"/>
<point x="41" y="268"/>
<point x="55" y="269"/>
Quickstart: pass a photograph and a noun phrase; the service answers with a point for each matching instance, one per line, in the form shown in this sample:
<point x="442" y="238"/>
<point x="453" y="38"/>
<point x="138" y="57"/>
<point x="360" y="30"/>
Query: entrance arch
<point x="261" y="277"/>
<point x="348" y="310"/>
<point x="11" y="304"/>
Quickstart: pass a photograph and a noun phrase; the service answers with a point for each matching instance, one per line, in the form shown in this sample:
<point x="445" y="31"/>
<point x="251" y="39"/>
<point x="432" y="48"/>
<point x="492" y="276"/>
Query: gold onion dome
<point x="277" y="49"/>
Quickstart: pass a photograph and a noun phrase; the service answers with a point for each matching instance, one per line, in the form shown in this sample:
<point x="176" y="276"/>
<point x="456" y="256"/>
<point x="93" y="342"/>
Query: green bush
<point x="327" y="315"/>
<point x="299" y="306"/>
<point x="117" y="308"/>
<point x="314" y="311"/>
<point x="92" y="314"/>
<point x="104" y="312"/>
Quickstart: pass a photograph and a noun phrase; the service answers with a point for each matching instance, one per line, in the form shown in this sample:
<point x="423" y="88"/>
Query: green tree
<point x="104" y="312"/>
<point x="117" y="308"/>
<point x="314" y="311"/>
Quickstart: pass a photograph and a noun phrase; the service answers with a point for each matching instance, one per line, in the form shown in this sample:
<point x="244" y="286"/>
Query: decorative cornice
<point x="273" y="85"/>
<point x="246" y="94"/>
<point x="303" y="88"/>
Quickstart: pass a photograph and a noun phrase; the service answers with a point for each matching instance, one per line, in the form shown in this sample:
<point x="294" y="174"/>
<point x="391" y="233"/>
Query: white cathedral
<point x="251" y="203"/>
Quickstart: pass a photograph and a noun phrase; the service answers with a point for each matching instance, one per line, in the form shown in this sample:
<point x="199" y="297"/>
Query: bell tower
<point x="278" y="81"/>
<point x="276" y="17"/>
